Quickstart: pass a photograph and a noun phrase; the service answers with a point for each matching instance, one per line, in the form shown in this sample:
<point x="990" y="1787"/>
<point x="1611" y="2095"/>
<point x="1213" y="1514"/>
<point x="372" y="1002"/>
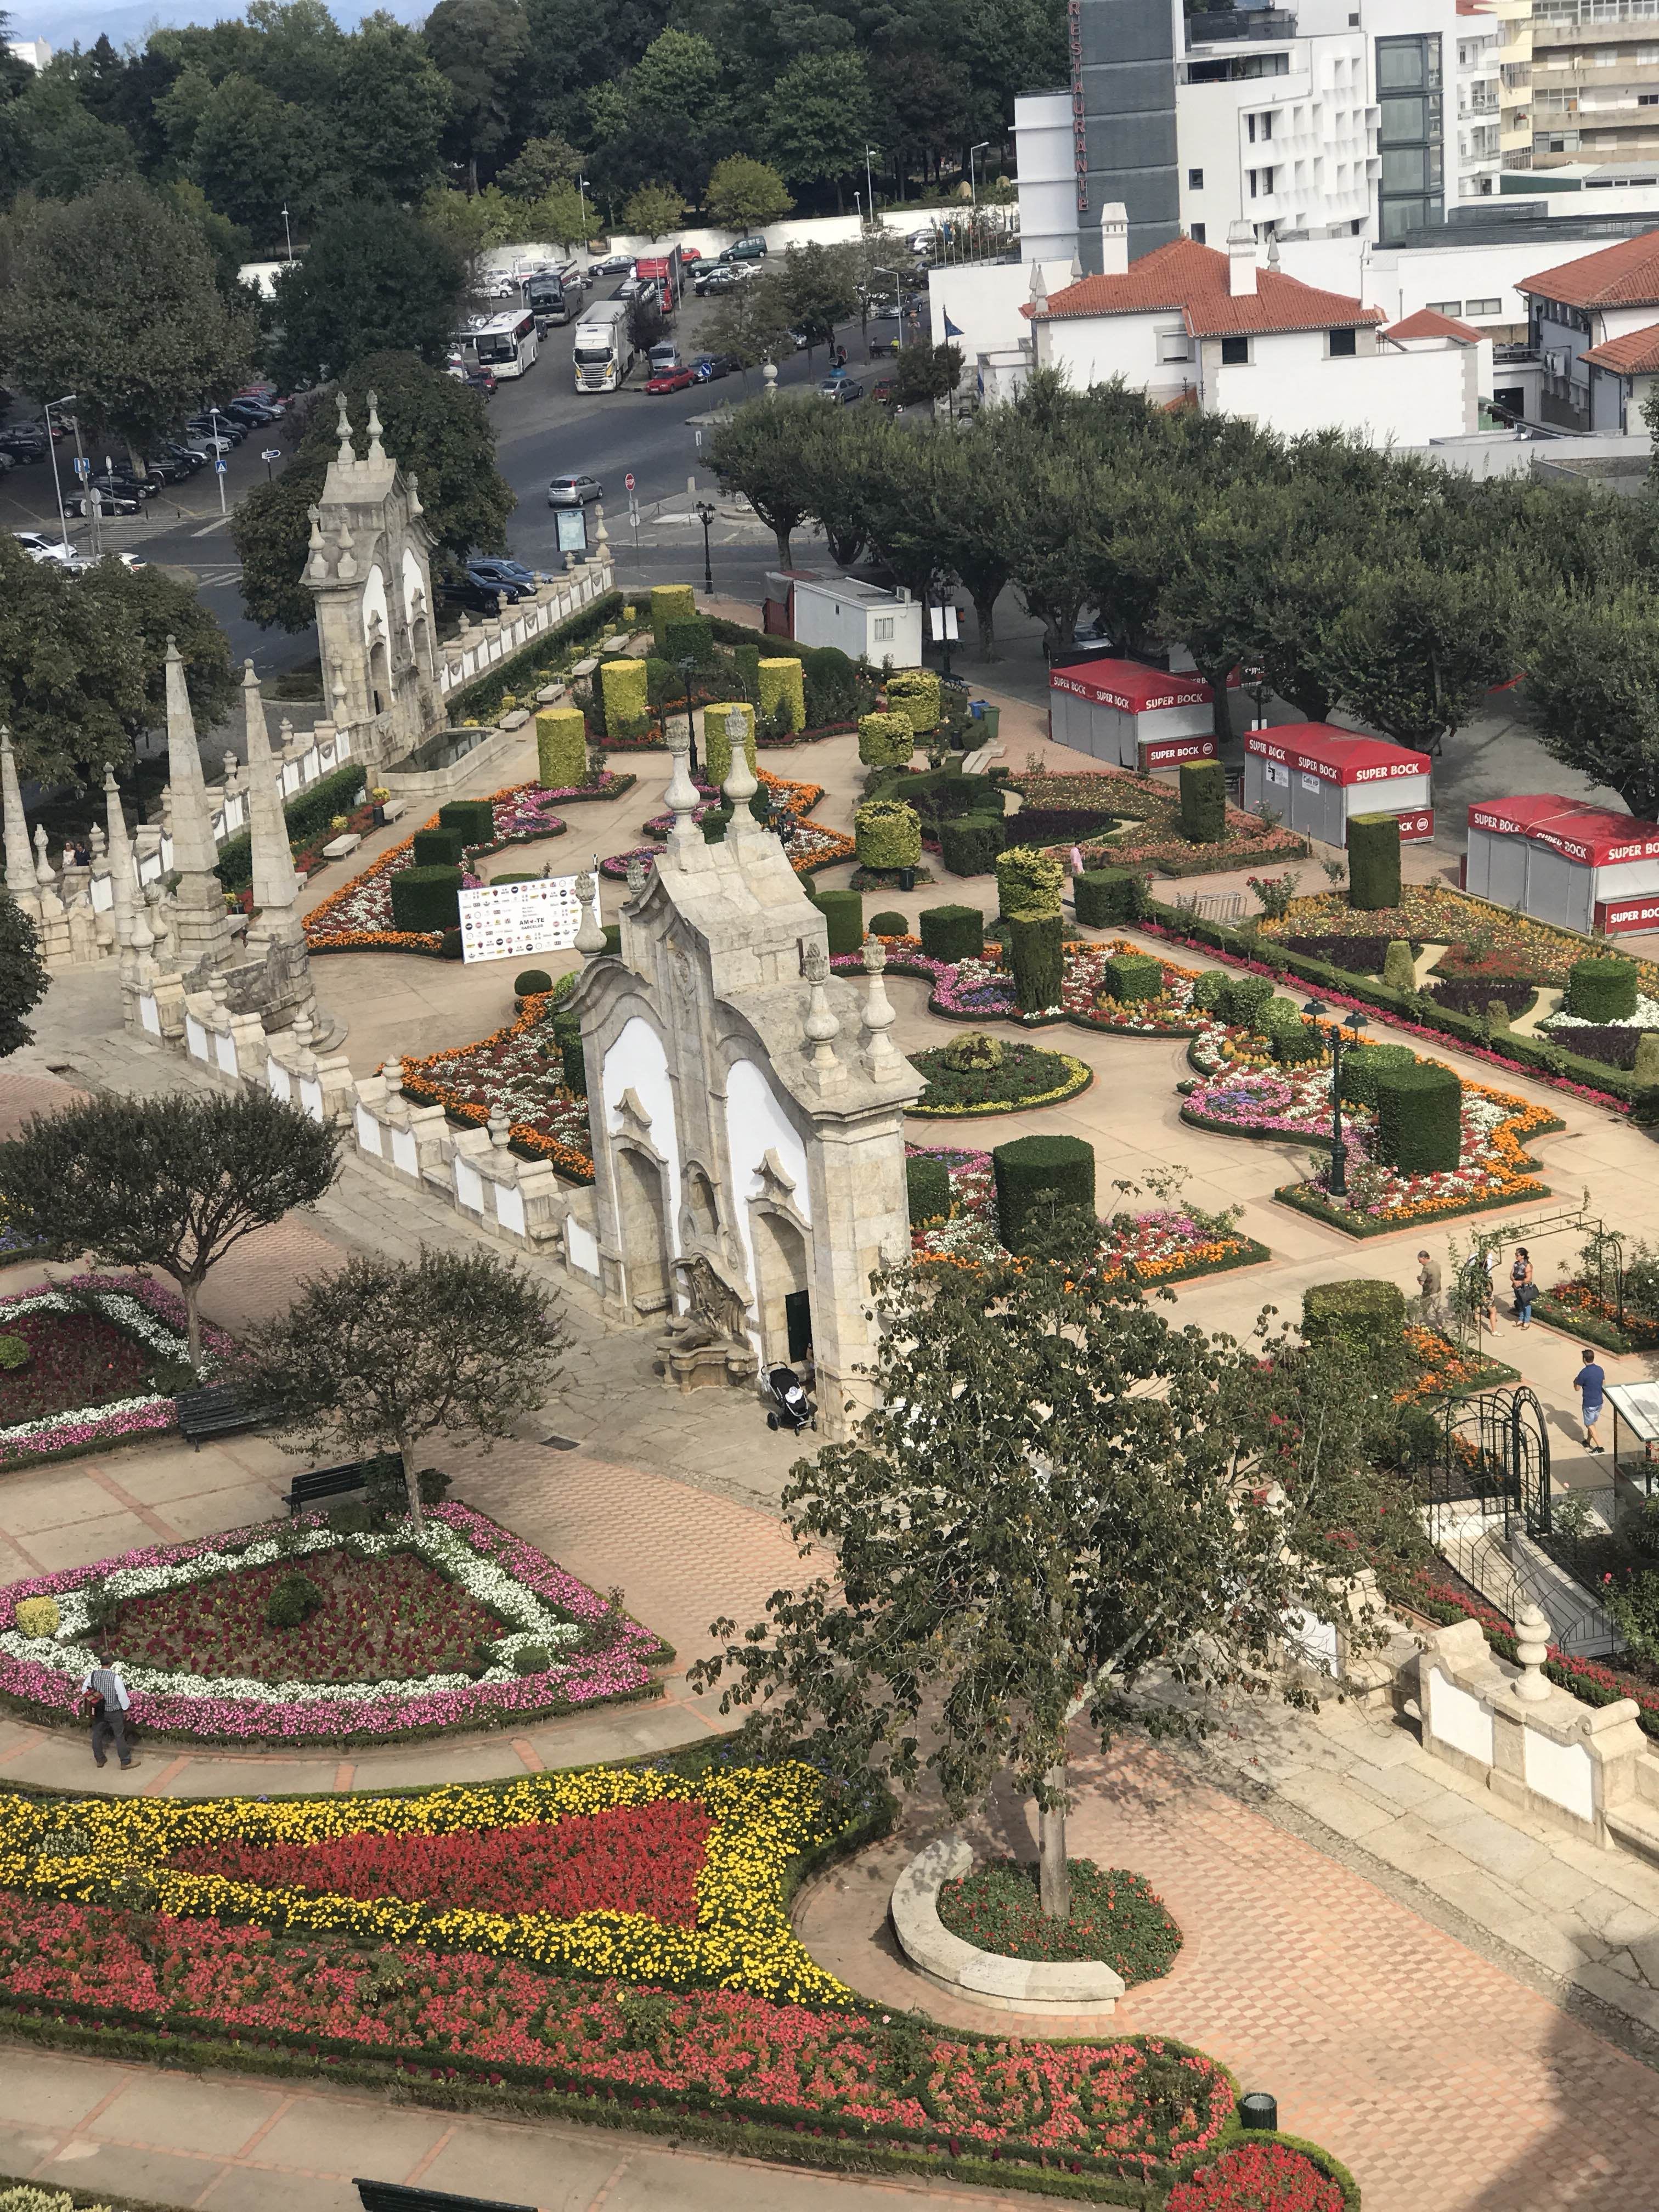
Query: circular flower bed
<point x="979" y="1074"/>
<point x="1116" y="1918"/>
<point x="1263" y="2175"/>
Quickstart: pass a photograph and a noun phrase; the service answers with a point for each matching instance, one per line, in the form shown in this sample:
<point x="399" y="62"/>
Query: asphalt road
<point x="545" y="429"/>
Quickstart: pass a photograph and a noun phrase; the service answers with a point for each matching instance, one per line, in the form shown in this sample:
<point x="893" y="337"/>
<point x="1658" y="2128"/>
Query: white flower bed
<point x="126" y="1311"/>
<point x="1646" y="1017"/>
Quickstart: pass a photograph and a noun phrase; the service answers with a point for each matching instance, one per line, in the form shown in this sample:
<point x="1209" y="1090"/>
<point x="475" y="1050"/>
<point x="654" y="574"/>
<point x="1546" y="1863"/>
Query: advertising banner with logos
<point x="511" y="922"/>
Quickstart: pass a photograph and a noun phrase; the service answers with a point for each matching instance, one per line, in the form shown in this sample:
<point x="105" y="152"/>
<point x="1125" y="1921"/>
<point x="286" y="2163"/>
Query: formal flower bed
<point x="978" y="989"/>
<point x="1002" y="1079"/>
<point x="14" y="1245"/>
<point x="1264" y="2173"/>
<point x="517" y="1071"/>
<point x="106" y="1355"/>
<point x="1137" y="825"/>
<point x="1446" y="1371"/>
<point x="1582" y="1308"/>
<point x="1163" y="1244"/>
<point x="358" y="916"/>
<point x="812" y="846"/>
<point x="1087" y="998"/>
<point x="1116" y="1918"/>
<point x="486" y="1631"/>
<point x="1512" y="945"/>
<point x="797" y="801"/>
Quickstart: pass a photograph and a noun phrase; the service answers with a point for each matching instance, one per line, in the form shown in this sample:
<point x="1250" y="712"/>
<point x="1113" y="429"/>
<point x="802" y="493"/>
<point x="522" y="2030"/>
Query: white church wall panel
<point x="757" y="1124"/>
<point x="637" y="1062"/>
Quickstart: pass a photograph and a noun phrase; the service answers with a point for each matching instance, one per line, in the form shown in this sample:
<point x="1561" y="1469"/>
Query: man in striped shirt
<point x="105" y="1695"/>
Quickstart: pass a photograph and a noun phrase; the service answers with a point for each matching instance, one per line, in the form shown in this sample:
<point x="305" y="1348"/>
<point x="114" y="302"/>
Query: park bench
<point x="326" y="1482"/>
<point x="216" y="1411"/>
<point x="399" y="2197"/>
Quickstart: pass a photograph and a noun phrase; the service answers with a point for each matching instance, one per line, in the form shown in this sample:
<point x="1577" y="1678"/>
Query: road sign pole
<point x="269" y="454"/>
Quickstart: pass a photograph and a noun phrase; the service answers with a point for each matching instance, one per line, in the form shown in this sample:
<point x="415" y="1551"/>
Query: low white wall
<point x="983" y="299"/>
<point x="1384" y="397"/>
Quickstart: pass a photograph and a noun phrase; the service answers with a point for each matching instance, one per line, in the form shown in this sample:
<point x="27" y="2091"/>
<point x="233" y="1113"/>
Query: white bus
<point x="506" y="344"/>
<point x="601" y="352"/>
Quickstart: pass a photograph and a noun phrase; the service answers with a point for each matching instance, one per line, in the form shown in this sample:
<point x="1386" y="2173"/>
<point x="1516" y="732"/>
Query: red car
<point x="672" y="379"/>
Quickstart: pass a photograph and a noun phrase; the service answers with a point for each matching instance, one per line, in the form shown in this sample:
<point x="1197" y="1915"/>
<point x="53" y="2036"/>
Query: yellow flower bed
<point x="762" y="1818"/>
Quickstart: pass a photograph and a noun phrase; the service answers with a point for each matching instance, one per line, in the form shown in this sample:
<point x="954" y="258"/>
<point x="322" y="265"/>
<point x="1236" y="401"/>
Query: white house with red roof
<point x="1594" y="324"/>
<point x="1188" y="325"/>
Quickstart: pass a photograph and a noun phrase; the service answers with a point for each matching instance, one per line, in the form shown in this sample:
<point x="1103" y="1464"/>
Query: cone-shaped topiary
<point x="560" y="747"/>
<point x="1419" y="1118"/>
<point x="1399" y="967"/>
<point x="1373" y="862"/>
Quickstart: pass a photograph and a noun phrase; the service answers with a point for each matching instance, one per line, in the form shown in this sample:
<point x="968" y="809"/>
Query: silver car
<point x="573" y="491"/>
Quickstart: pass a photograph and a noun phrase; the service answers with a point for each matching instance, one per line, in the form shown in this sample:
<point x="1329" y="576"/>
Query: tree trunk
<point x="783" y="537"/>
<point x="192" y="1291"/>
<point x="1221" y="720"/>
<point x="411" y="1479"/>
<point x="1054" y="1876"/>
<point x="985" y="610"/>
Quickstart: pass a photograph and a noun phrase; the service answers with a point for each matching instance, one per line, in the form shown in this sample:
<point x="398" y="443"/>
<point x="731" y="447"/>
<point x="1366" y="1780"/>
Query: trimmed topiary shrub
<point x="1601" y="989"/>
<point x="1369" y="1314"/>
<point x="1039" y="962"/>
<point x="970" y="845"/>
<point x="529" y="982"/>
<point x="1207" y="990"/>
<point x="885" y="741"/>
<point x="691" y="637"/>
<point x="1203" y="802"/>
<point x="746" y="659"/>
<point x="38" y="1616"/>
<point x="1419" y="1118"/>
<point x="832" y="685"/>
<point x="1362" y="1064"/>
<point x="474" y="818"/>
<point x="438" y="848"/>
<point x="1276" y="1014"/>
<point x="1242" y="998"/>
<point x="670" y="603"/>
<point x="1034" y="1174"/>
<point x="716" y="738"/>
<point x="1373" y="862"/>
<point x="928" y="1185"/>
<point x="663" y="684"/>
<point x="1132" y="977"/>
<point x="560" y="747"/>
<point x="1105" y="896"/>
<point x="1399" y="967"/>
<point x="293" y="1600"/>
<point x="1646" y="1067"/>
<point x="424" y="899"/>
<point x="783" y="686"/>
<point x="914" y="692"/>
<point x="574" y="1061"/>
<point x="613" y="937"/>
<point x="889" y="924"/>
<point x="1029" y="884"/>
<point x="623" y="694"/>
<point x="952" y="932"/>
<point x="887" y="835"/>
<point x="843" y="915"/>
<point x="1299" y="1047"/>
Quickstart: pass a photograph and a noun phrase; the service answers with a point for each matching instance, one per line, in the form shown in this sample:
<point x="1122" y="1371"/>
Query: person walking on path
<point x="1524" y="1286"/>
<point x="105" y="1695"/>
<point x="1429" y="1285"/>
<point x="1590" y="1382"/>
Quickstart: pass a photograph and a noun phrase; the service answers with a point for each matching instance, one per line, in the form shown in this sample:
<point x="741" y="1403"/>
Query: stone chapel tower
<point x="369" y="569"/>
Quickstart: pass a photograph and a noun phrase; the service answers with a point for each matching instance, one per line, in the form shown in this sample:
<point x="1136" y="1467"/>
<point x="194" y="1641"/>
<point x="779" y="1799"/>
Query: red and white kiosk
<point x="1133" y="716"/>
<point x="1315" y="776"/>
<point x="1565" y="860"/>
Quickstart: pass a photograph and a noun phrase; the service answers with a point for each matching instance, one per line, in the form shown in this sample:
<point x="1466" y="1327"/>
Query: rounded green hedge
<point x="927" y="1183"/>
<point x="1033" y="1171"/>
<point x="426" y="899"/>
<point x="843" y="914"/>
<point x="1371" y="1312"/>
<point x="1132" y="978"/>
<point x="530" y="981"/>
<point x="1419" y="1118"/>
<point x="1242" y="998"/>
<point x="1105" y="896"/>
<point x="1362" y="1064"/>
<point x="889" y="924"/>
<point x="1601" y="990"/>
<point x="952" y="932"/>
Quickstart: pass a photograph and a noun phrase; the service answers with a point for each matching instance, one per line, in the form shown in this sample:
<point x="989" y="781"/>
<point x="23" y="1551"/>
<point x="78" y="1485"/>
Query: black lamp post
<point x="706" y="513"/>
<point x="1317" y="1011"/>
<point x="686" y="667"/>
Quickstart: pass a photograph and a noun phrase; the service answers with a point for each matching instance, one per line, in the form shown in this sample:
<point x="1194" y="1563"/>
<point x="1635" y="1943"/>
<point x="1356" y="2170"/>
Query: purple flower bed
<point x="1362" y="956"/>
<point x="963" y="988"/>
<point x="620" y="1670"/>
<point x="1473" y="994"/>
<point x="608" y="784"/>
<point x="1609" y="1042"/>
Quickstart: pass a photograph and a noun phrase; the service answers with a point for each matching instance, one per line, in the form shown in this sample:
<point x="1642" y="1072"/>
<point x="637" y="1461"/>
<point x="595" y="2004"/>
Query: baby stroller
<point x="787" y="1405"/>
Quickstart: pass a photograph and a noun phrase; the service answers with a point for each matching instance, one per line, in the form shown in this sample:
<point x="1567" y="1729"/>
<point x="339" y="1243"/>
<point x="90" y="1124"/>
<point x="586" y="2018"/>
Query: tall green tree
<point x="539" y="167"/>
<point x="1593" y="676"/>
<point x="482" y="47"/>
<point x="432" y="426"/>
<point x="172" y="1182"/>
<point x="23" y="977"/>
<point x="756" y="452"/>
<point x="385" y="1354"/>
<point x="652" y="211"/>
<point x="375" y="280"/>
<point x="1421" y="645"/>
<point x="251" y="154"/>
<point x="153" y="337"/>
<point x="818" y="120"/>
<point x="393" y="105"/>
<point x="744" y="193"/>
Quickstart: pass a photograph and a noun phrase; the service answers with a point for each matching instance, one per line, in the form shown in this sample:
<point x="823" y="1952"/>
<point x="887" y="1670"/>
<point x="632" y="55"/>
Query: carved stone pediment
<point x="777" y="1191"/>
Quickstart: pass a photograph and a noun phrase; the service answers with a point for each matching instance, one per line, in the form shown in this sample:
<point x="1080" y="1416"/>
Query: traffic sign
<point x="218" y="468"/>
<point x="271" y="454"/>
<point x="629" y="481"/>
<point x="82" y="466"/>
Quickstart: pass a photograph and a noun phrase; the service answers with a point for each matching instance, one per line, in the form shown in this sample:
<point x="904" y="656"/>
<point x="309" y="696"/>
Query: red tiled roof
<point x="1430" y="322"/>
<point x="1633" y="355"/>
<point x="1622" y="275"/>
<point x="1193" y="278"/>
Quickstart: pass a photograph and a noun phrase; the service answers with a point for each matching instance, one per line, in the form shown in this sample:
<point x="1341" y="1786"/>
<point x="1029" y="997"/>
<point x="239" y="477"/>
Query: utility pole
<point x="67" y="400"/>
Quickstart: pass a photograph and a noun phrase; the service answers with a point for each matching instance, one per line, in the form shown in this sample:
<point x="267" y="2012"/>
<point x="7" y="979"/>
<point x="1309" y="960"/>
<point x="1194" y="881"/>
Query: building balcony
<point x="1244" y="23"/>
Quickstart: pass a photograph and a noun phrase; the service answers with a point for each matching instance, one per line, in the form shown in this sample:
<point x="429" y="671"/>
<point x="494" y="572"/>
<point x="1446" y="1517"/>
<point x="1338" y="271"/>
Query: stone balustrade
<point x="476" y="648"/>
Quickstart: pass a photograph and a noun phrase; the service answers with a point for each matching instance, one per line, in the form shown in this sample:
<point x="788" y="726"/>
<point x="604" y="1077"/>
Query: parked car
<point x="672" y="379"/>
<point x="746" y="249"/>
<point x="510" y="590"/>
<point x="23" y="444"/>
<point x="481" y="380"/>
<point x="488" y="566"/>
<point x="39" y="547"/>
<point x="122" y="483"/>
<point x="884" y="392"/>
<point x="840" y="391"/>
<point x="206" y="445"/>
<point x="466" y="592"/>
<point x="708" y="366"/>
<point x="717" y="280"/>
<point x="218" y="425"/>
<point x="612" y="265"/>
<point x="109" y="502"/>
<point x="188" y="457"/>
<point x="573" y="491"/>
<point x="253" y="414"/>
<point x="166" y="467"/>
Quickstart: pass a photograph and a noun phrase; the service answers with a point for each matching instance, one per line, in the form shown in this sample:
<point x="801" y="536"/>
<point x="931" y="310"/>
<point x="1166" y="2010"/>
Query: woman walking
<point x="1523" y="1285"/>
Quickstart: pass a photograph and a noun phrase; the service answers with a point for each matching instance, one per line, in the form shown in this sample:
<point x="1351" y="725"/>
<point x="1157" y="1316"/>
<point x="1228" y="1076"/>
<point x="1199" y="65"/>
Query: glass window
<point x="1404" y="168"/>
<point x="1486" y="307"/>
<point x="1449" y="306"/>
<point x="1341" y="344"/>
<point x="1198" y="233"/>
<point x="1234" y="352"/>
<point x="1405" y="118"/>
<point x="1399" y="62"/>
<point x="1194" y="180"/>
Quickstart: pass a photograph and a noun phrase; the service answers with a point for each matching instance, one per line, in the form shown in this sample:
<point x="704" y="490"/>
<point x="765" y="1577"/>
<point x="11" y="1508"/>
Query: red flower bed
<point x="75" y="1359"/>
<point x="1263" y="2176"/>
<point x="393" y="1619"/>
<point x="629" y="1858"/>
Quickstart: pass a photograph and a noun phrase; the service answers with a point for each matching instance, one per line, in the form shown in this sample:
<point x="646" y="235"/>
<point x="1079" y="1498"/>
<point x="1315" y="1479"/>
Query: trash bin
<point x="988" y="718"/>
<point x="1259" y="2110"/>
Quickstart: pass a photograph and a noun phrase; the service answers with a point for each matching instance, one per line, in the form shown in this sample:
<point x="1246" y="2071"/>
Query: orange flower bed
<point x="507" y="1069"/>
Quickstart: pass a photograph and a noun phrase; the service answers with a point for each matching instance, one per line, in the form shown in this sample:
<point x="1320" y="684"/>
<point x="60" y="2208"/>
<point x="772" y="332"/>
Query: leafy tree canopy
<point x="652" y="211"/>
<point x="22" y="976"/>
<point x="375" y="280"/>
<point x="744" y="193"/>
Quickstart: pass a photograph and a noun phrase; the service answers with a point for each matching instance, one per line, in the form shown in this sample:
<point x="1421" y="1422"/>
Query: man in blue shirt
<point x="1591" y="1382"/>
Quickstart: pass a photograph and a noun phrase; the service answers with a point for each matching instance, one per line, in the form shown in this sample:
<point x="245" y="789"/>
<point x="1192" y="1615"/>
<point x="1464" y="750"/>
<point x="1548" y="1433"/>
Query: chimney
<point x="1241" y="260"/>
<point x="1113" y="239"/>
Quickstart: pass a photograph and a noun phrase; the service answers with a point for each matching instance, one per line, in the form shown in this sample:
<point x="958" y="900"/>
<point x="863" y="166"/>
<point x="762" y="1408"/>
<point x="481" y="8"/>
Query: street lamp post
<point x="898" y="299"/>
<point x="67" y="400"/>
<point x="1317" y="1011"/>
<point x="983" y="147"/>
<point x="218" y="457"/>
<point x="287" y="233"/>
<point x="870" y="153"/>
<point x="706" y="513"/>
<point x="687" y="667"/>
<point x="582" y="197"/>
